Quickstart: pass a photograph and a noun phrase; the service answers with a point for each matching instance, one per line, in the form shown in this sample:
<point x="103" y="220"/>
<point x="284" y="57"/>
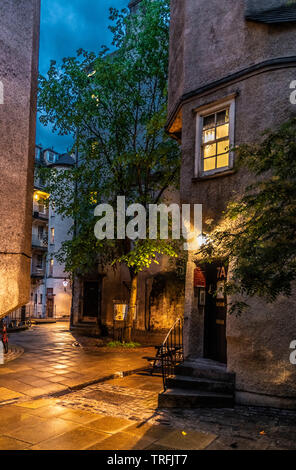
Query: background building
<point x="50" y="292"/>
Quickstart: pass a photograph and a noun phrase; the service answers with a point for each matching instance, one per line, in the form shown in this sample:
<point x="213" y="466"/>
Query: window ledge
<point x="196" y="179"/>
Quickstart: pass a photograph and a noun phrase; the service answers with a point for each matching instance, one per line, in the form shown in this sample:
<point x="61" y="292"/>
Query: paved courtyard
<point x="51" y="364"/>
<point x="117" y="414"/>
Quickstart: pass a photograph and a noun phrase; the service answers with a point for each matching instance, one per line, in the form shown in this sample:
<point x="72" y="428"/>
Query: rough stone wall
<point x="257" y="342"/>
<point x="217" y="41"/>
<point x="19" y="40"/>
<point x="160" y="298"/>
<point x="177" y="42"/>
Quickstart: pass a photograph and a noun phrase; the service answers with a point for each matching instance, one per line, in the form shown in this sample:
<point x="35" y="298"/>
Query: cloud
<point x="66" y="26"/>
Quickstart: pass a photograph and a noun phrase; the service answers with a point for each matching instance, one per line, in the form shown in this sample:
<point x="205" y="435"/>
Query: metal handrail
<point x="171" y="351"/>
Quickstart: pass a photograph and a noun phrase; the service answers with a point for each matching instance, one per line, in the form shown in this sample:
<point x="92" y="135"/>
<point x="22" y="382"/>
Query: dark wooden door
<point x="50" y="307"/>
<point x="215" y="313"/>
<point x="91" y="296"/>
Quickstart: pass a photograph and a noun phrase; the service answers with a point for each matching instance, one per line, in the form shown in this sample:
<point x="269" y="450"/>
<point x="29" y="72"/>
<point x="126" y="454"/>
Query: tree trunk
<point x="131" y="307"/>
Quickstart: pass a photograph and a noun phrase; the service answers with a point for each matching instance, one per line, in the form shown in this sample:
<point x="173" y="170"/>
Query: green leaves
<point x="258" y="232"/>
<point x="145" y="253"/>
<point x="114" y="106"/>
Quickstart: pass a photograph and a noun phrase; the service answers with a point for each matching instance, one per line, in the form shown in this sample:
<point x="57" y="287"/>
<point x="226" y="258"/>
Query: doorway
<point x="215" y="313"/>
<point x="91" y="300"/>
<point x="49" y="303"/>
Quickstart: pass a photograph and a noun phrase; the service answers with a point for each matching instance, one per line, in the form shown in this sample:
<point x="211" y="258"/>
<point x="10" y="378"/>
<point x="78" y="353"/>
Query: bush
<point x="118" y="344"/>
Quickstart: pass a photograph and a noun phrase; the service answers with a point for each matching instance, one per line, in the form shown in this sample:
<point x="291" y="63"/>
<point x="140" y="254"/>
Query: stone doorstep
<point x="11" y="397"/>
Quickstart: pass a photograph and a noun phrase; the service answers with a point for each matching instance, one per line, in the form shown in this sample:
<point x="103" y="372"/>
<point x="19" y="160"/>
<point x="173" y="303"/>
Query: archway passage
<point x="215" y="343"/>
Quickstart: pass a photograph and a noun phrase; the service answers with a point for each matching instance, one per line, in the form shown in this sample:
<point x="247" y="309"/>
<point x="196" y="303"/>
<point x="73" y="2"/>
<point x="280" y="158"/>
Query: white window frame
<point x="206" y="110"/>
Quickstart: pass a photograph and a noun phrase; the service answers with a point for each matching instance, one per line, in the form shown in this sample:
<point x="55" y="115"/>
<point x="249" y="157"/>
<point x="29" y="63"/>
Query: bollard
<point x="1" y="353"/>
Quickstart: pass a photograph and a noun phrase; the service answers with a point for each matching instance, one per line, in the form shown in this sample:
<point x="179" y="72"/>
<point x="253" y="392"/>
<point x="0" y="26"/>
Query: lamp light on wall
<point x="65" y="284"/>
<point x="202" y="239"/>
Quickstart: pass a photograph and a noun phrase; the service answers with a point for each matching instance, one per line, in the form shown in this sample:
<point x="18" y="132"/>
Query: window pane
<point x="210" y="164"/>
<point x="223" y="146"/>
<point x="222" y="131"/>
<point x="210" y="150"/>
<point x="208" y="135"/>
<point x="223" y="160"/>
<point x="223" y="117"/>
<point x="209" y="121"/>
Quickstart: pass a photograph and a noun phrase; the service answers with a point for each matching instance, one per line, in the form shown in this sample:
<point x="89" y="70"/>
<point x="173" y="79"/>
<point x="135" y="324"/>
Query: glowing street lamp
<point x="65" y="284"/>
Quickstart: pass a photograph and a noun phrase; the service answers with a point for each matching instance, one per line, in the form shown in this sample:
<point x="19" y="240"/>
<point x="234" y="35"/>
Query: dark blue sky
<point x="67" y="25"/>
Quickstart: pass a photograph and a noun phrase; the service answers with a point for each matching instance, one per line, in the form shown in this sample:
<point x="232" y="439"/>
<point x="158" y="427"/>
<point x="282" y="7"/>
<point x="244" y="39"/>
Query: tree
<point x="258" y="230"/>
<point x="114" y="105"/>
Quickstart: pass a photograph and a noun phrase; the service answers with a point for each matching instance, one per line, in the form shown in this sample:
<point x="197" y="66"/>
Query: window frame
<point x="205" y="111"/>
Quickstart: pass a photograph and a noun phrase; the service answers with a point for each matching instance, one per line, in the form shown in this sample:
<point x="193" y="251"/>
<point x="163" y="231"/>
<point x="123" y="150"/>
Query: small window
<point x="215" y="138"/>
<point x="41" y="206"/>
<point x="215" y="141"/>
<point x="51" y="263"/>
<point x="40" y="232"/>
<point x="39" y="263"/>
<point x="52" y="236"/>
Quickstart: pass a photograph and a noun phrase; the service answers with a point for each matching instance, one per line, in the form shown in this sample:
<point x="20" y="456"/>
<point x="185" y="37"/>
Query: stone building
<point x="160" y="299"/>
<point x="231" y="66"/>
<point x="58" y="286"/>
<point x="19" y="39"/>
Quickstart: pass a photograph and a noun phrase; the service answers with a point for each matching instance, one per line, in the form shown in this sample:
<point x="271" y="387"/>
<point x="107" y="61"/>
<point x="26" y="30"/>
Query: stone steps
<point x="205" y="369"/>
<point x="199" y="383"/>
<point x="184" y="398"/>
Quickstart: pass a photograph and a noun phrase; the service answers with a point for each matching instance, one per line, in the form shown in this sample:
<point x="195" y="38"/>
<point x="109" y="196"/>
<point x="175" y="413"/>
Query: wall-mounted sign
<point x="120" y="312"/>
<point x="202" y="297"/>
<point x="221" y="273"/>
<point x="199" y="278"/>
<point x="220" y="290"/>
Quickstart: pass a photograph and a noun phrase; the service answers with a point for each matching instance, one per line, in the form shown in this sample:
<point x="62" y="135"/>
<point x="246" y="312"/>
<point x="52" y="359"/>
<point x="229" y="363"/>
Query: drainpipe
<point x="74" y="235"/>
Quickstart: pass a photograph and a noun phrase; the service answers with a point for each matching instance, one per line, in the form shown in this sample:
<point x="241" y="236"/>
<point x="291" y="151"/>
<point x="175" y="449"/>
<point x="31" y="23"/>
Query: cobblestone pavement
<point x="122" y="414"/>
<point x="135" y="398"/>
<point x="51" y="364"/>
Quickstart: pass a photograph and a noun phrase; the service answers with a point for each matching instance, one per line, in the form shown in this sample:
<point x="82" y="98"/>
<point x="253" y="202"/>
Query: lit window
<point x="51" y="263"/>
<point x="215" y="141"/>
<point x="52" y="236"/>
<point x="215" y="138"/>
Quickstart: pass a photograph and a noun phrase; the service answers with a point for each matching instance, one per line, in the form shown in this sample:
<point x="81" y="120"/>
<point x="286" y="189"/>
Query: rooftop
<point x="282" y="14"/>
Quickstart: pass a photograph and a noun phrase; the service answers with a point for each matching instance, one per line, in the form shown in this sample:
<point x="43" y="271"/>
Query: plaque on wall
<point x="120" y="312"/>
<point x="199" y="278"/>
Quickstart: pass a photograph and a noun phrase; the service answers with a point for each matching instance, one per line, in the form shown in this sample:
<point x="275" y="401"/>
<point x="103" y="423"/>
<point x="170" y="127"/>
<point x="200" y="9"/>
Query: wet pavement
<point x="51" y="364"/>
<point x="118" y="414"/>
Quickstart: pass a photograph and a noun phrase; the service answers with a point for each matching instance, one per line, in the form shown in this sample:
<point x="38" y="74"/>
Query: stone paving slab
<point x="51" y="365"/>
<point x="120" y="414"/>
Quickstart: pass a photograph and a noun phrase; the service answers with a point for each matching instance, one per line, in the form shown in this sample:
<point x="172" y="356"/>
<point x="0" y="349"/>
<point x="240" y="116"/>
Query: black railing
<point x="172" y="351"/>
